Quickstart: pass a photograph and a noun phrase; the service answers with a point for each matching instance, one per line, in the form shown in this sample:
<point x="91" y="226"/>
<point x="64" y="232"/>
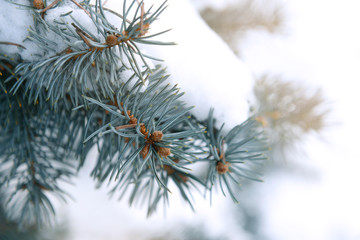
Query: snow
<point x="216" y="4"/>
<point x="10" y="30"/>
<point x="17" y="21"/>
<point x="204" y="66"/>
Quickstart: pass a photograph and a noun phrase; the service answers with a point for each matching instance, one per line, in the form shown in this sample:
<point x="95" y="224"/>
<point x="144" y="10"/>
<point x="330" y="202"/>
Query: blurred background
<point x="305" y="58"/>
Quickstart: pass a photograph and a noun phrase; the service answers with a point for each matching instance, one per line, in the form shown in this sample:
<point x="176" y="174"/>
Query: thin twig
<point x="15" y="44"/>
<point x="83" y="38"/>
<point x="77" y="4"/>
<point x="84" y="33"/>
<point x="127" y="126"/>
<point x="50" y="6"/>
<point x="130" y="46"/>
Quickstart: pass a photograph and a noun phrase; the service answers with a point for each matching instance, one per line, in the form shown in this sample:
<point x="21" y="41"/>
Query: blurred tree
<point x="234" y="20"/>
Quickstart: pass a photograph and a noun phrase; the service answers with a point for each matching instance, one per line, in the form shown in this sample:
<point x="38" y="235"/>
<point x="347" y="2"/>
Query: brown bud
<point x="111" y="40"/>
<point x="164" y="152"/>
<point x="157" y="136"/>
<point x="222" y="168"/>
<point x="38" y="4"/>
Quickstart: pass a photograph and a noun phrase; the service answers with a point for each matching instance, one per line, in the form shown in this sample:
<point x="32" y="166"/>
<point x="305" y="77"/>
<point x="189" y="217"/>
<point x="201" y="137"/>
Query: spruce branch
<point x="234" y="156"/>
<point x="137" y="119"/>
<point x="91" y="61"/>
<point x="35" y="146"/>
<point x="97" y="90"/>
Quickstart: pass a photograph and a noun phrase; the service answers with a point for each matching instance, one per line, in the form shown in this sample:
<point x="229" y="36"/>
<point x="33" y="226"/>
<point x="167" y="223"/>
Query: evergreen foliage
<point x="242" y="144"/>
<point x="54" y="109"/>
